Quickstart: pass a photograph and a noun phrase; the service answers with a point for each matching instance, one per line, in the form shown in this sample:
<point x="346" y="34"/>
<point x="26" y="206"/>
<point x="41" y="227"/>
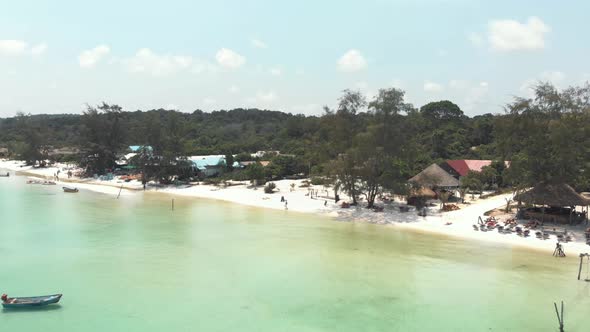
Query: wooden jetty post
<point x="120" y="191"/>
<point x="581" y="263"/>
<point x="559" y="317"/>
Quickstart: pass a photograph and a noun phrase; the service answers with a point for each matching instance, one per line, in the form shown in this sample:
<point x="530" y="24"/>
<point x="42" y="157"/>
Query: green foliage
<point x="281" y="166"/>
<point x="547" y="139"/>
<point x="255" y="173"/>
<point x="269" y="188"/>
<point x="472" y="181"/>
<point x="103" y="137"/>
<point x="365" y="147"/>
<point x="229" y="162"/>
<point x="243" y="156"/>
<point x="320" y="180"/>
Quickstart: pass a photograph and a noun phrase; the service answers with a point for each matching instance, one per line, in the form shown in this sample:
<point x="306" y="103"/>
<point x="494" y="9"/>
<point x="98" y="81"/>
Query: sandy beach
<point x="457" y="223"/>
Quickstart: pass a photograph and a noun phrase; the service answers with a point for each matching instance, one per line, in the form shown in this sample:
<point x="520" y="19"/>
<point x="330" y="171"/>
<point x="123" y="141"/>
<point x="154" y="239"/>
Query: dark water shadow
<point x="32" y="309"/>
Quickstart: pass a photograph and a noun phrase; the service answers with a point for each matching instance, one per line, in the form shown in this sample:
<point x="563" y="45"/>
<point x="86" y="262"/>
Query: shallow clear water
<point x="132" y="264"/>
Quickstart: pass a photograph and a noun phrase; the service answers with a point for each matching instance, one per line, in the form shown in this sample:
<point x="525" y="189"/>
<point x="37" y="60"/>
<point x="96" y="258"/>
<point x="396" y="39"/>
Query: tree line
<point x="364" y="147"/>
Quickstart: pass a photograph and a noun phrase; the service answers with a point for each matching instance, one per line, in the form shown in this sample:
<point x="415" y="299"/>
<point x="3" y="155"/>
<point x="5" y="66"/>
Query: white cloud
<point x="276" y="71"/>
<point x="511" y="35"/>
<point x="90" y="58"/>
<point x="11" y="47"/>
<point x="39" y="49"/>
<point x="352" y="61"/>
<point x="209" y="101"/>
<point x="234" y="89"/>
<point x="171" y="107"/>
<point x="259" y="43"/>
<point x="146" y="61"/>
<point x="432" y="87"/>
<point x="229" y="59"/>
<point x="483" y="84"/>
<point x="201" y="66"/>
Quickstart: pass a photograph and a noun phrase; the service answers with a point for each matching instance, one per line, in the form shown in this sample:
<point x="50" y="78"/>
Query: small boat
<point x="70" y="189"/>
<point x="49" y="183"/>
<point x="5" y="175"/>
<point x="24" y="302"/>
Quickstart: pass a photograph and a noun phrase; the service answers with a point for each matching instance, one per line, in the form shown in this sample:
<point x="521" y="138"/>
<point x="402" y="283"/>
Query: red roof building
<point x="462" y="167"/>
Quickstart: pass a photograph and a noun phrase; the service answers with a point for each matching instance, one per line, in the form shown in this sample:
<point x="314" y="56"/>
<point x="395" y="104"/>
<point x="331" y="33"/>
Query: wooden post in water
<point x="581" y="262"/>
<point x="120" y="191"/>
<point x="559" y="317"/>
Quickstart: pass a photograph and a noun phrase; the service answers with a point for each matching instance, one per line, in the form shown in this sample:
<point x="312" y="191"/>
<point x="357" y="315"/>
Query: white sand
<point x="298" y="200"/>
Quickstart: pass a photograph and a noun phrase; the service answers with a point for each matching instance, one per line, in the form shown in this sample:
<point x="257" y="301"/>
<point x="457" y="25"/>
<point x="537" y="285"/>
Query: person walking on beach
<point x="325" y="203"/>
<point x="286" y="205"/>
<point x="282" y="199"/>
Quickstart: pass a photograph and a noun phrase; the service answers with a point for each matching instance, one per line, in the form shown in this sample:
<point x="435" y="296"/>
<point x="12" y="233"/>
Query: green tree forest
<point x="365" y="146"/>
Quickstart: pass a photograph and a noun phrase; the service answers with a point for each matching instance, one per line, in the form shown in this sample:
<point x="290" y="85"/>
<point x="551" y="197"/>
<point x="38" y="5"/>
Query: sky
<point x="293" y="56"/>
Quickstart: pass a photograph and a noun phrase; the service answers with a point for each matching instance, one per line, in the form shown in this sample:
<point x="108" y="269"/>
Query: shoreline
<point x="298" y="200"/>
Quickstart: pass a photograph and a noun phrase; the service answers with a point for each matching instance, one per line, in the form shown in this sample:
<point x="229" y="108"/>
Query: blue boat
<point x="26" y="302"/>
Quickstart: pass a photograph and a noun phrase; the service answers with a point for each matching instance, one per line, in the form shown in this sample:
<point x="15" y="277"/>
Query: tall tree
<point x="546" y="137"/>
<point x="104" y="136"/>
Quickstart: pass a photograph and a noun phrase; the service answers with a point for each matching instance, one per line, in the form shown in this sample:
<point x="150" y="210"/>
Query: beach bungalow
<point x="434" y="176"/>
<point x="261" y="154"/>
<point x="554" y="203"/>
<point x="244" y="164"/>
<point x="210" y="165"/>
<point x="459" y="168"/>
<point x="137" y="148"/>
<point x="64" y="151"/>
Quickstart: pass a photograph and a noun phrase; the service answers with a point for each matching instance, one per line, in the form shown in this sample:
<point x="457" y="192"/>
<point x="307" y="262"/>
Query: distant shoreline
<point x="460" y="227"/>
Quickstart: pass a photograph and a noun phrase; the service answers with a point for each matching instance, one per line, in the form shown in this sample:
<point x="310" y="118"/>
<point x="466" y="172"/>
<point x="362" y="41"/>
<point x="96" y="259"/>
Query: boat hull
<point x="29" y="302"/>
<point x="70" y="190"/>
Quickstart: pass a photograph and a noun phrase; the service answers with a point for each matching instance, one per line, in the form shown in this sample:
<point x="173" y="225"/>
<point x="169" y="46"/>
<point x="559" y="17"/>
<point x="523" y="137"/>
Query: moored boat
<point x="70" y="189"/>
<point x="34" y="301"/>
<point x="5" y="175"/>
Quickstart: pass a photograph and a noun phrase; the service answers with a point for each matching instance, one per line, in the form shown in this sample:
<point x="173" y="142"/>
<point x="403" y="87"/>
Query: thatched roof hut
<point x="434" y="176"/>
<point x="422" y="192"/>
<point x="553" y="195"/>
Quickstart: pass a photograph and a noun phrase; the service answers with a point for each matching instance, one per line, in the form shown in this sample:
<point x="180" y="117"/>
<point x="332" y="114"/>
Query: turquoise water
<point x="132" y="264"/>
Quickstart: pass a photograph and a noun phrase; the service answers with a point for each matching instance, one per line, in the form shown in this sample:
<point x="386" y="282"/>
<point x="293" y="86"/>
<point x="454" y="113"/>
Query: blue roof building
<point x="210" y="165"/>
<point x="136" y="148"/>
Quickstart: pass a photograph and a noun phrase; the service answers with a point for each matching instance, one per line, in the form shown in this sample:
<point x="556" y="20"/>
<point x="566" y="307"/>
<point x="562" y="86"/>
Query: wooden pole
<point x="559" y="318"/>
<point x="562" y="317"/>
<point x="120" y="192"/>
<point x="580" y="269"/>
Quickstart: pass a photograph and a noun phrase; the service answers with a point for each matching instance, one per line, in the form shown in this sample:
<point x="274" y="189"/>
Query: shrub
<point x="269" y="188"/>
<point x="318" y="180"/>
